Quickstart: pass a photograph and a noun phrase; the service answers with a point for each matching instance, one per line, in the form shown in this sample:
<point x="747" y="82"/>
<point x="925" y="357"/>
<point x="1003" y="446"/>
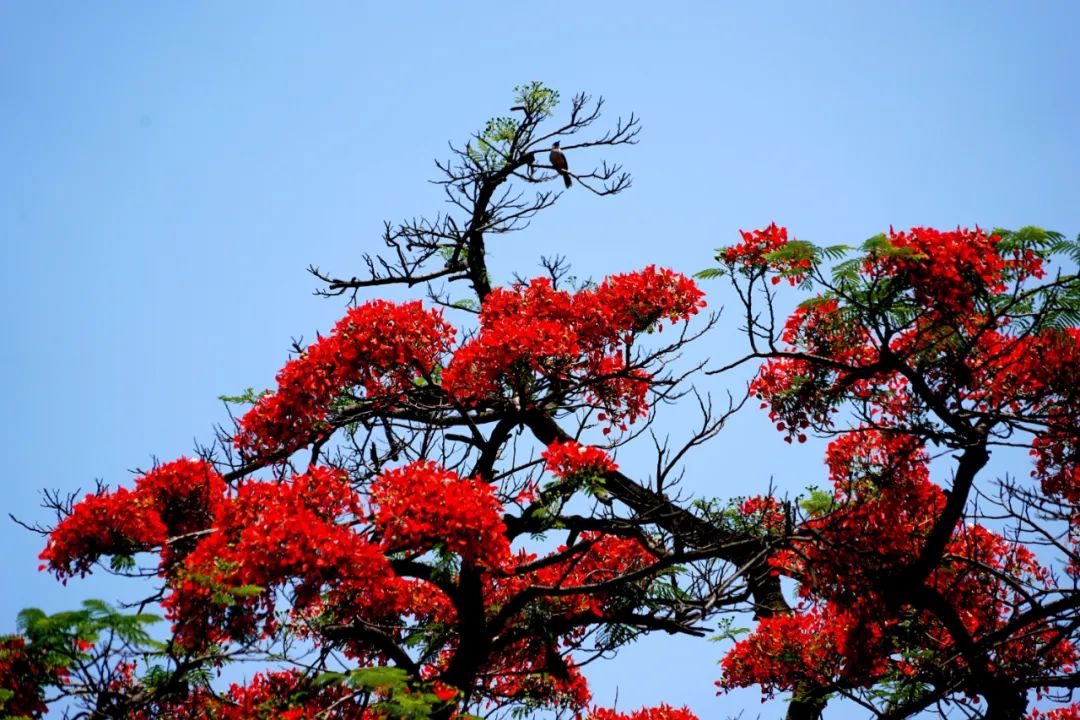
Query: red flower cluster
<point x="1072" y="712"/>
<point x="946" y="271"/>
<point x="949" y="278"/>
<point x="571" y="593"/>
<point x="885" y="509"/>
<point x="1039" y="375"/>
<point x="24" y="673"/>
<point x="660" y="712"/>
<point x="1024" y="371"/>
<point x="273" y="534"/>
<point x="1057" y="464"/>
<point x="571" y="459"/>
<point x="752" y="254"/>
<point x="305" y="540"/>
<point x="821" y="327"/>
<point x="865" y="460"/>
<point x="525" y="330"/>
<point x="530" y="669"/>
<point x="596" y="559"/>
<point x="112" y="524"/>
<point x="801" y="392"/>
<point x="636" y="302"/>
<point x="935" y="298"/>
<point x="565" y="587"/>
<point x="783" y="651"/>
<point x="755" y="245"/>
<point x="532" y="337"/>
<point x="169" y="506"/>
<point x="764" y="511"/>
<point x="381" y="347"/>
<point x="621" y="392"/>
<point x="363" y="574"/>
<point x="422" y="505"/>
<point x="279" y="695"/>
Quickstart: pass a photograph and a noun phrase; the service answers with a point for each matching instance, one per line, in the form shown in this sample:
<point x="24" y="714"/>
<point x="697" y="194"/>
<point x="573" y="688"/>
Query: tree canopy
<point x="428" y="516"/>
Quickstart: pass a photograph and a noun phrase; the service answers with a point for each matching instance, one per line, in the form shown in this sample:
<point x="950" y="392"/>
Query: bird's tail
<point x="566" y="179"/>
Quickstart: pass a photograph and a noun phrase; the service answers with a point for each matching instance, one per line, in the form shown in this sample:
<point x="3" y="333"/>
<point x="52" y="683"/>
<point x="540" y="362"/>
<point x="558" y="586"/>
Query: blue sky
<point x="169" y="170"/>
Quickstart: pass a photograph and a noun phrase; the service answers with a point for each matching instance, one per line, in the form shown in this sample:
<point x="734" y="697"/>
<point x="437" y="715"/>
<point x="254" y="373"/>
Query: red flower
<point x="661" y="712"/>
<point x="423" y="505"/>
<point x="571" y="459"/>
<point x="381" y="348"/>
<point x="534" y="339"/>
<point x="169" y="506"/>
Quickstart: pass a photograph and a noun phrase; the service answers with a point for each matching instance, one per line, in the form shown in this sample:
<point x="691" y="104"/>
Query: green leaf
<point x="28" y="618"/>
<point x="248" y="397"/>
<point x="536" y="98"/>
<point x="329" y="678"/>
<point x="726" y="632"/>
<point x="710" y="273"/>
<point x="466" y="304"/>
<point x="246" y="590"/>
<point x="835" y="252"/>
<point x="818" y="502"/>
<point x="379" y="678"/>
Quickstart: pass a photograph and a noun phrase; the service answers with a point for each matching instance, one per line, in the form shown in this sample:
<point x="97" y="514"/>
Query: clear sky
<point x="170" y="169"/>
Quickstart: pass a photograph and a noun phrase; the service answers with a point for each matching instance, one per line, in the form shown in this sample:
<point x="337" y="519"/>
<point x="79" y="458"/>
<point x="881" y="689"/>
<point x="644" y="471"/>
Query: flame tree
<point x="426" y="516"/>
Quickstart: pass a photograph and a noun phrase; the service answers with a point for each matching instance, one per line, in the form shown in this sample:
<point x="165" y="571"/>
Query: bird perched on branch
<point x="558" y="161"/>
